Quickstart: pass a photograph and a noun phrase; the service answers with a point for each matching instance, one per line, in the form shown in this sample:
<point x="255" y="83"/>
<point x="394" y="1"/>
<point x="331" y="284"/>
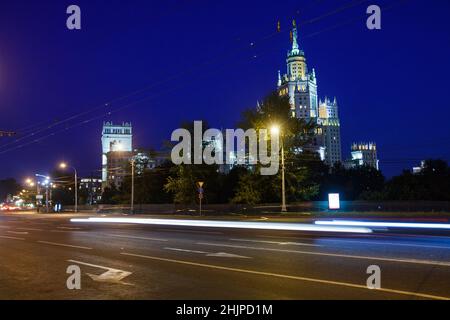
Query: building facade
<point x="329" y="131"/>
<point x="363" y="154"/>
<point x="115" y="138"/>
<point x="300" y="85"/>
<point x="92" y="188"/>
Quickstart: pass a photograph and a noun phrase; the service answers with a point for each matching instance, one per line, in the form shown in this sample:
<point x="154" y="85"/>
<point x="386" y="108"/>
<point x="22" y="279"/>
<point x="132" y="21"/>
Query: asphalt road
<point x="126" y="261"/>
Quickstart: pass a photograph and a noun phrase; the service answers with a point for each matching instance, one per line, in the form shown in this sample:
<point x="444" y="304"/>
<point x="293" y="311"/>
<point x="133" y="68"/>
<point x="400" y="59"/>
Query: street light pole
<point x="277" y="131"/>
<point x="63" y="165"/>
<point x="76" y="189"/>
<point x="38" y="193"/>
<point x="132" y="185"/>
<point x="283" y="188"/>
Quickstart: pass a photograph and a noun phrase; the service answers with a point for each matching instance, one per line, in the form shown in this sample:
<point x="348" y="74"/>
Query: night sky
<point x="195" y="61"/>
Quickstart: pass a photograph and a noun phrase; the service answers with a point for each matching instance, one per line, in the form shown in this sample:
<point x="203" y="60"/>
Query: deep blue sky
<point x="391" y="85"/>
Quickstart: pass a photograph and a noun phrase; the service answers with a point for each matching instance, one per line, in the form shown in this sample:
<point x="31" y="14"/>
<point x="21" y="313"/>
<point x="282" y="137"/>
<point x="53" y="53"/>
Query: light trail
<point x="228" y="224"/>
<point x="370" y="224"/>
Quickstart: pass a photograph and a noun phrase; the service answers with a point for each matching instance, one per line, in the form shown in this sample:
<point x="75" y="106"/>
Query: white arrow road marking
<point x="111" y="275"/>
<point x="226" y="255"/>
<point x="17" y="232"/>
<point x="209" y="254"/>
<point x="280" y="243"/>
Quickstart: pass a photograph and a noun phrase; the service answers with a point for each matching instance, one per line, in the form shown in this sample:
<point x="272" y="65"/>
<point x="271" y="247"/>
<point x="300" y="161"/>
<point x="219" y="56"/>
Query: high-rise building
<point x="301" y="86"/>
<point x="363" y="154"/>
<point x="115" y="138"/>
<point x="329" y="131"/>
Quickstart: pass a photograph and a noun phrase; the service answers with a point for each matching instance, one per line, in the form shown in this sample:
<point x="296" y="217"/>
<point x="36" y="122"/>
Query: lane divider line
<point x="12" y="238"/>
<point x="279" y="243"/>
<point x="29" y="229"/>
<point x="337" y="255"/>
<point x="136" y="237"/>
<point x="17" y="232"/>
<point x="64" y="245"/>
<point x="185" y="250"/>
<point x="290" y="277"/>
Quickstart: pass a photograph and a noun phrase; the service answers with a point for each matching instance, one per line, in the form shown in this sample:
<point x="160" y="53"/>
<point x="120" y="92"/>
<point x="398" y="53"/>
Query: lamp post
<point x="275" y="130"/>
<point x="45" y="183"/>
<point x="31" y="183"/>
<point x="64" y="165"/>
<point x="133" y="163"/>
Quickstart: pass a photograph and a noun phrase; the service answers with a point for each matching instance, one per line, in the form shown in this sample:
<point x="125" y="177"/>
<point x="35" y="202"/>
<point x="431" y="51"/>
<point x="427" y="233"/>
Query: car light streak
<point x="372" y="224"/>
<point x="228" y="224"/>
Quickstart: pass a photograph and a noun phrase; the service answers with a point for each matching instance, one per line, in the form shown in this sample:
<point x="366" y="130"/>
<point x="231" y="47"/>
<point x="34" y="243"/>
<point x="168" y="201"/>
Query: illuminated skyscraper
<point x="115" y="138"/>
<point x="301" y="87"/>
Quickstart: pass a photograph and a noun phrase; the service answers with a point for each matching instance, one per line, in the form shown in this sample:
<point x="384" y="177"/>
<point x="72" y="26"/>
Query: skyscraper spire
<point x="295" y="48"/>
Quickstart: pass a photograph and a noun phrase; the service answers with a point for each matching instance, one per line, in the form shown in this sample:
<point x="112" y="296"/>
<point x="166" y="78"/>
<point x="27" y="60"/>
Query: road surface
<point x="128" y="261"/>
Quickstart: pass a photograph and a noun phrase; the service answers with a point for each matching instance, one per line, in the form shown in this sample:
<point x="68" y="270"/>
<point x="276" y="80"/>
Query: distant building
<point x="363" y="154"/>
<point x="115" y="138"/>
<point x="329" y="131"/>
<point x="300" y="85"/>
<point x="93" y="188"/>
<point x="417" y="170"/>
<point x="118" y="166"/>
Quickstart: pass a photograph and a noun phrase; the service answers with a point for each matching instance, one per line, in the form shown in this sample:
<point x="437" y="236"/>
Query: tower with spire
<point x="298" y="82"/>
<point x="300" y="85"/>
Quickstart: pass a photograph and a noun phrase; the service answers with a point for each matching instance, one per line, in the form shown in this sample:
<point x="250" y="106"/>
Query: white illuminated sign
<point x="333" y="201"/>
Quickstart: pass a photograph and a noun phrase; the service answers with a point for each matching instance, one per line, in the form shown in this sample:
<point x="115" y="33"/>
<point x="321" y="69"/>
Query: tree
<point x="296" y="134"/>
<point x="182" y="183"/>
<point x="8" y="187"/>
<point x="353" y="184"/>
<point x="432" y="183"/>
<point x="248" y="190"/>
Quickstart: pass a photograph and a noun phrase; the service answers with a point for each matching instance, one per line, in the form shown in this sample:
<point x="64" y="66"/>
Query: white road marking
<point x="280" y="243"/>
<point x="374" y="242"/>
<point x="68" y="231"/>
<point x="290" y="277"/>
<point x="64" y="245"/>
<point x="135" y="237"/>
<point x="68" y="228"/>
<point x="29" y="229"/>
<point x="209" y="254"/>
<point x="191" y="231"/>
<point x="13" y="238"/>
<point x="226" y="255"/>
<point x="414" y="261"/>
<point x="111" y="275"/>
<point x="17" y="232"/>
<point x="185" y="250"/>
<point x="389" y="243"/>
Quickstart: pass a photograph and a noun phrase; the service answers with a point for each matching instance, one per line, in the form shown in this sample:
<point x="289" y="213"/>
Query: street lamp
<point x="133" y="165"/>
<point x="275" y="130"/>
<point x="64" y="165"/>
<point x="31" y="183"/>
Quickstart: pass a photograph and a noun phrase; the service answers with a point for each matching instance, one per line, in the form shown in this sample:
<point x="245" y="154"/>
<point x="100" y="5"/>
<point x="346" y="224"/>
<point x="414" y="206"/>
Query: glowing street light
<point x="276" y="131"/>
<point x="64" y="165"/>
